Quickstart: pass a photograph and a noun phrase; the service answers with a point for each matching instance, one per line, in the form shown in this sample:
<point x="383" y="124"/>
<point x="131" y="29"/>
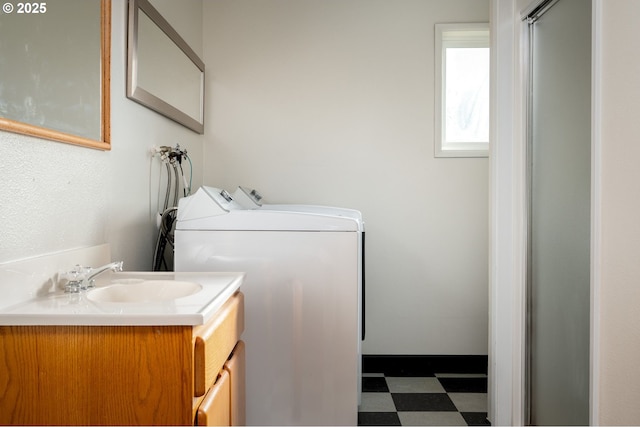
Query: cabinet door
<point x="214" y="342"/>
<point x="235" y="366"/>
<point x="215" y="409"/>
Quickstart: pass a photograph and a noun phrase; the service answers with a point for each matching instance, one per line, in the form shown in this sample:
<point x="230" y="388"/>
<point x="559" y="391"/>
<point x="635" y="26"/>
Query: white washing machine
<point x="302" y="296"/>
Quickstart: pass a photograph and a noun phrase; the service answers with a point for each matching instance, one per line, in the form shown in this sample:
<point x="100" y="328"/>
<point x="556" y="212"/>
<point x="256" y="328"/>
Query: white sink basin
<point x="143" y="291"/>
<point x="128" y="298"/>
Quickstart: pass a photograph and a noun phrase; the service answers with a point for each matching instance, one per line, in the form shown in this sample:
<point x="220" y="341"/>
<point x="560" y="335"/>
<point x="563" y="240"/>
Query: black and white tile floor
<point x="441" y="399"/>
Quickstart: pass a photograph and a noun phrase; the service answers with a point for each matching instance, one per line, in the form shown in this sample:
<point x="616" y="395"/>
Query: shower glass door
<point x="558" y="285"/>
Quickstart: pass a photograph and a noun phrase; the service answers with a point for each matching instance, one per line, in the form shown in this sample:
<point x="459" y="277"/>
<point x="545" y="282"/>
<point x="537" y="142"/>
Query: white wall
<point x="620" y="270"/>
<point x="332" y="102"/>
<point x="57" y="196"/>
<point x="508" y="212"/>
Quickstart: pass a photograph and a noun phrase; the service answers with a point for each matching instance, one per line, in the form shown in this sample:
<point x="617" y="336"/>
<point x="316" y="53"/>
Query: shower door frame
<point x="537" y="8"/>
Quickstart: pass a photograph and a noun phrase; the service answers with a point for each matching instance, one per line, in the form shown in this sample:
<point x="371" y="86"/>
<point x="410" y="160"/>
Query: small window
<point x="462" y="90"/>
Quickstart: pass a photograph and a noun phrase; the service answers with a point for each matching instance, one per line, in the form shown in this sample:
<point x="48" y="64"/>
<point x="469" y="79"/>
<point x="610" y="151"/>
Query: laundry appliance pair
<point x="303" y="298"/>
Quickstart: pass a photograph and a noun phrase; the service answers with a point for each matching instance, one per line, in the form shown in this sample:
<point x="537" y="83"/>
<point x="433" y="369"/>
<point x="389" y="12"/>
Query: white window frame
<point x="447" y="36"/>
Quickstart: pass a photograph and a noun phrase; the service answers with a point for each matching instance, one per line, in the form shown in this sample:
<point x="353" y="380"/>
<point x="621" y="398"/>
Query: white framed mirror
<point x="163" y="72"/>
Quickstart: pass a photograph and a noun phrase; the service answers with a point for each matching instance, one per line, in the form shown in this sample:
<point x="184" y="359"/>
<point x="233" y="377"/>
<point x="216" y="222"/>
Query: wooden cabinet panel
<point x="215" y="409"/>
<point x="235" y="366"/>
<point x="215" y="341"/>
<point x="86" y="375"/>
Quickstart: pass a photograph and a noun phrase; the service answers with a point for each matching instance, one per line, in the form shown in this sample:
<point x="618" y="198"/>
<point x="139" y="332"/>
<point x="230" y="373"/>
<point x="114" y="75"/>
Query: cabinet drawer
<point x="214" y="341"/>
<point x="215" y="409"/>
<point x="235" y="366"/>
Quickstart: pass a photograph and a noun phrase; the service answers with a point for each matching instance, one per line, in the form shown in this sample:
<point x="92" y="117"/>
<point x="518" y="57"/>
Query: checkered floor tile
<point x="443" y="399"/>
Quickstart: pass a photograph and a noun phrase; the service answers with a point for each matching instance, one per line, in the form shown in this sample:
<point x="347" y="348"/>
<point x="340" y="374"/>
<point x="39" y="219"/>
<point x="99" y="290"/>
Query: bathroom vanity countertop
<point x="59" y="308"/>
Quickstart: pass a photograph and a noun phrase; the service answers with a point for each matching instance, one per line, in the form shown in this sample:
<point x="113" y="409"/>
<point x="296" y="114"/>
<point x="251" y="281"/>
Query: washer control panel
<point x="247" y="198"/>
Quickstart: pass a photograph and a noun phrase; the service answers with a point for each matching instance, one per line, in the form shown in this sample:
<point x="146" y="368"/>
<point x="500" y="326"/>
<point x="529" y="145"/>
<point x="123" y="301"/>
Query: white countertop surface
<point x="58" y="308"/>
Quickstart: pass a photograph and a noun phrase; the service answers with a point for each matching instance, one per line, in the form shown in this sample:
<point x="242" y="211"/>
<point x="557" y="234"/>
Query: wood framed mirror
<point x="55" y="67"/>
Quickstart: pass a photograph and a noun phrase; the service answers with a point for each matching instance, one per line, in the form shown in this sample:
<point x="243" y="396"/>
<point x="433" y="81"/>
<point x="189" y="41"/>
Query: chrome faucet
<point x="83" y="278"/>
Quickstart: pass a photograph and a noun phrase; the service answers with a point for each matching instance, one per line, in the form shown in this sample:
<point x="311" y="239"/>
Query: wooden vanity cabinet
<point x="123" y="375"/>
